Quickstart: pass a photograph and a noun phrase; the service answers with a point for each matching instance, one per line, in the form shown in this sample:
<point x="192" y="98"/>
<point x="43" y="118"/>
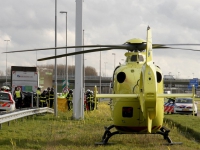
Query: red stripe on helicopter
<point x="158" y="127"/>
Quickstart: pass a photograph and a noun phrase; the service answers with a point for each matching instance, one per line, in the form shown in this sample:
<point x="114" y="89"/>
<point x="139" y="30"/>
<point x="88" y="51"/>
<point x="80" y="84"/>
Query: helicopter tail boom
<point x="117" y="95"/>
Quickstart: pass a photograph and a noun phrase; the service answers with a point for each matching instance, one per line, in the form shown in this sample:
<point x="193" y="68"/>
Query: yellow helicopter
<point x="137" y="99"/>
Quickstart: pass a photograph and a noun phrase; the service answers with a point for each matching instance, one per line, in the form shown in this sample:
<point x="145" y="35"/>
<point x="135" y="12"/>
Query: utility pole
<point x="6" y="58"/>
<point x="78" y="98"/>
<point x="66" y="73"/>
<point x="55" y="92"/>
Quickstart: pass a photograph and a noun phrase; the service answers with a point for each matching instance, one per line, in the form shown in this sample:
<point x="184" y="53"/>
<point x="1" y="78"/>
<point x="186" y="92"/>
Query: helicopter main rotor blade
<point x="76" y="53"/>
<point x="124" y="47"/>
<point x="83" y="46"/>
<point x="166" y="45"/>
<point x="187" y="49"/>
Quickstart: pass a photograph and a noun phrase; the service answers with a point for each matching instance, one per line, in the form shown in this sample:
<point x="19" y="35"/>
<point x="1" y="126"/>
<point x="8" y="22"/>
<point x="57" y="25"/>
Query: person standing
<point x="64" y="94"/>
<point x="38" y="93"/>
<point x="51" y="97"/>
<point x="18" y="97"/>
<point x="69" y="99"/>
<point x="43" y="99"/>
<point x="47" y="96"/>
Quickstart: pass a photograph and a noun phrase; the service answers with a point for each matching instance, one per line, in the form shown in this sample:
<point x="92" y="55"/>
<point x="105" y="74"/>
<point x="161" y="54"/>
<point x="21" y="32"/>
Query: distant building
<point x="169" y="77"/>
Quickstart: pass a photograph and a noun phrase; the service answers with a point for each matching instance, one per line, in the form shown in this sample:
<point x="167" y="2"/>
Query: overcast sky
<point x="30" y="24"/>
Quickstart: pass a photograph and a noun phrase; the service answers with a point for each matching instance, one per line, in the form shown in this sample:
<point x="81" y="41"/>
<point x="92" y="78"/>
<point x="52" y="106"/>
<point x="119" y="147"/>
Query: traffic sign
<point x="194" y="82"/>
<point x="190" y="86"/>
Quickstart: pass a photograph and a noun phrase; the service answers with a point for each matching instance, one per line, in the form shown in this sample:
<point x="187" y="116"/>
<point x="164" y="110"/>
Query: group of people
<point x="46" y="97"/>
<point x="17" y="95"/>
<point x="89" y="103"/>
<point x="89" y="100"/>
<point x="5" y="89"/>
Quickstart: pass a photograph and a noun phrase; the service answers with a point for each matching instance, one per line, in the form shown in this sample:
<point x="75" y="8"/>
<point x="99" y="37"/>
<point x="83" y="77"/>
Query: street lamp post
<point x="170" y="83"/>
<point x="6" y="58"/>
<point x="178" y="85"/>
<point x="114" y="59"/>
<point x="56" y="90"/>
<point x="84" y="73"/>
<point x="105" y="68"/>
<point x="100" y="75"/>
<point x="83" y="64"/>
<point x="62" y="12"/>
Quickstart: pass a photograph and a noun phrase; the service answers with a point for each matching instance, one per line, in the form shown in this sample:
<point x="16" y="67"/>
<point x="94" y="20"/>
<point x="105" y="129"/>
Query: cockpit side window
<point x="134" y="58"/>
<point x="141" y="58"/>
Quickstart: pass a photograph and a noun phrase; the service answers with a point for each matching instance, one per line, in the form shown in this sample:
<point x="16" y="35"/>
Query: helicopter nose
<point x="121" y="76"/>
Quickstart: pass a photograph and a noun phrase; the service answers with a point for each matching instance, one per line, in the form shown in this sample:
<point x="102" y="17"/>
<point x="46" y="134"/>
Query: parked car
<point x="185" y="106"/>
<point x="6" y="101"/>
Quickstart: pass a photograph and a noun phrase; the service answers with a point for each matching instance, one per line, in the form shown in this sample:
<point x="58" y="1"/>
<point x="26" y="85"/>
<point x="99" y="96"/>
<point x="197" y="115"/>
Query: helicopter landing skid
<point x="107" y="135"/>
<point x="165" y="132"/>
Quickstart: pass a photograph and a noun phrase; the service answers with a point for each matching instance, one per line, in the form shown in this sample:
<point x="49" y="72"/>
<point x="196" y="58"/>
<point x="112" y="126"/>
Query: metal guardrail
<point x="23" y="113"/>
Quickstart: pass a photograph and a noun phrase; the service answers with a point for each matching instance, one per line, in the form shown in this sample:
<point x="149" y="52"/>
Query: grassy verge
<point x="61" y="133"/>
<point x="187" y="124"/>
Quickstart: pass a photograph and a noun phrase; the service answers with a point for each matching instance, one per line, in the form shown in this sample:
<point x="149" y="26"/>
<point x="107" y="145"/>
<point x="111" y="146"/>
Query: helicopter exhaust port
<point x="121" y="77"/>
<point x="159" y="77"/>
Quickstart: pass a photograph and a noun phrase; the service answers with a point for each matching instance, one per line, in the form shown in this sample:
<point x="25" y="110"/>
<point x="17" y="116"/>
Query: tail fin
<point x="148" y="85"/>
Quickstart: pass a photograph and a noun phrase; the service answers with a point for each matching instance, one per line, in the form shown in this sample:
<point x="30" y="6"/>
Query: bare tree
<point x="90" y="71"/>
<point x="61" y="70"/>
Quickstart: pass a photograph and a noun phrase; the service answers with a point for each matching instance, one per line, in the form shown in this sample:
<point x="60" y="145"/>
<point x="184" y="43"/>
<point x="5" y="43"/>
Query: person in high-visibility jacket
<point x="38" y="93"/>
<point x="51" y="97"/>
<point x="69" y="99"/>
<point x="18" y="98"/>
<point x="43" y="99"/>
<point x="64" y="94"/>
<point x="47" y="96"/>
<point x="90" y="100"/>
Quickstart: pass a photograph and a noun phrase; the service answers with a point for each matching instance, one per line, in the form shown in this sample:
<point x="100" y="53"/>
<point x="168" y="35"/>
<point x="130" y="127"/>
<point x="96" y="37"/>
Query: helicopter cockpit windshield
<point x="136" y="58"/>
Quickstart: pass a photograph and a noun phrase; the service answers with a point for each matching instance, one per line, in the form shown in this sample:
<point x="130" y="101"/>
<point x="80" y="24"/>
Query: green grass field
<point x="45" y="132"/>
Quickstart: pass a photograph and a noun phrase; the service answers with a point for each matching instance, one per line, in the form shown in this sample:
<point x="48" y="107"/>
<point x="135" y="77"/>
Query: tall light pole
<point x="100" y="76"/>
<point x="193" y="75"/>
<point x="36" y="57"/>
<point x="78" y="96"/>
<point x="84" y="73"/>
<point x="83" y="65"/>
<point x="66" y="73"/>
<point x="6" y="58"/>
<point x="170" y="83"/>
<point x="55" y="95"/>
<point x="114" y="59"/>
<point x="105" y="68"/>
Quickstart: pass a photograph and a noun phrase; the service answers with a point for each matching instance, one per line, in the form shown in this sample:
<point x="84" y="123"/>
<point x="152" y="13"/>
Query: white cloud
<point x="31" y="24"/>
